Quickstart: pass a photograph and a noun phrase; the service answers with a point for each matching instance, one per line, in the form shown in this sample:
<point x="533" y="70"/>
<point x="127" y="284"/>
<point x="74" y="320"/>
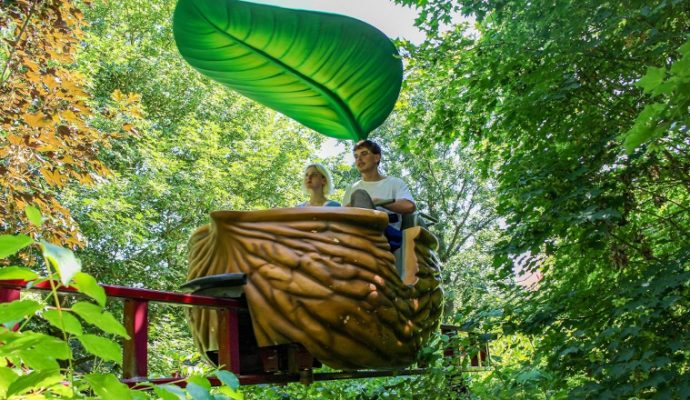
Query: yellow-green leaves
<point x="102" y="347"/>
<point x="107" y="386"/>
<point x="23" y="273"/>
<point x="7" y="376"/>
<point x="644" y="128"/>
<point x="96" y="316"/>
<point x="33" y="350"/>
<point x="35" y="380"/>
<point x="34" y="215"/>
<point x="334" y="74"/>
<point x="669" y="112"/>
<point x="652" y="79"/>
<point x="63" y="260"/>
<point x="97" y="345"/>
<point x="88" y="285"/>
<point x="11" y="313"/>
<point x="63" y="320"/>
<point x="11" y="244"/>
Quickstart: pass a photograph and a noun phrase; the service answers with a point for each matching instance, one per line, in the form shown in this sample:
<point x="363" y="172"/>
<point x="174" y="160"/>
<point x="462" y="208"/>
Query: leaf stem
<point x="58" y="306"/>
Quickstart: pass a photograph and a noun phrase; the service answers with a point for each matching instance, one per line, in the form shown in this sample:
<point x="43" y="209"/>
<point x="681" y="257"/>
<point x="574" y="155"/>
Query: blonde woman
<point x="318" y="183"/>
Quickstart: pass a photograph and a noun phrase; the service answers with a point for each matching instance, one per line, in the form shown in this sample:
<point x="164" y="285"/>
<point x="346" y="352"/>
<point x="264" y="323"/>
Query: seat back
<point x="417" y="219"/>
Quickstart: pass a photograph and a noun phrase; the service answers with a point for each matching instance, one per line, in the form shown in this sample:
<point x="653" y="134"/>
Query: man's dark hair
<point x="368" y="144"/>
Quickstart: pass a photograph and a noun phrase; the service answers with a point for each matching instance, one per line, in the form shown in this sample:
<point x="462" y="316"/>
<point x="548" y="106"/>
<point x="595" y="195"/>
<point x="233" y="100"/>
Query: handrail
<point x="124" y="292"/>
<point x="136" y="322"/>
<point x="135" y="349"/>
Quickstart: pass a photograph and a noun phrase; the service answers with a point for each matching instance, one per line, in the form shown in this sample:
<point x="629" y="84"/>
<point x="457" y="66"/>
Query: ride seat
<point x="416" y="219"/>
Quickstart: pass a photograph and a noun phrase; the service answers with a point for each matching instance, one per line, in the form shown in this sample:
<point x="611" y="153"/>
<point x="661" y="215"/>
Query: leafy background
<point x="545" y="136"/>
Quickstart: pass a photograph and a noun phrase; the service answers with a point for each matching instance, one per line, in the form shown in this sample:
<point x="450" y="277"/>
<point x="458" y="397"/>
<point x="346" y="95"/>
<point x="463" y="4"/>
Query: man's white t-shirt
<point x="389" y="187"/>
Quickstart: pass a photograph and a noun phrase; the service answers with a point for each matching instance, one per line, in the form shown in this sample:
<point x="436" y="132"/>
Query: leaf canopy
<point x="334" y="74"/>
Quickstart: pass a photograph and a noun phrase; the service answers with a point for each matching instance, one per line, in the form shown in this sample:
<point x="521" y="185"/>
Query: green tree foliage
<point x="580" y="113"/>
<point x="567" y="121"/>
<point x="47" y="137"/>
<point x="40" y="366"/>
<point x="449" y="187"/>
<point x="201" y="148"/>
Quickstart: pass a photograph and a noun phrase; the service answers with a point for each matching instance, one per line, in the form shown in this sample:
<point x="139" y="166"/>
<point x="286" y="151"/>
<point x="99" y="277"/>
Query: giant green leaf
<point x="334" y="74"/>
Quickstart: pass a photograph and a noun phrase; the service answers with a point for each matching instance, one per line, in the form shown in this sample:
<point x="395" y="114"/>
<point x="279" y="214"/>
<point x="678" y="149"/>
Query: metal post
<point x="135" y="349"/>
<point x="228" y="340"/>
<point x="9" y="295"/>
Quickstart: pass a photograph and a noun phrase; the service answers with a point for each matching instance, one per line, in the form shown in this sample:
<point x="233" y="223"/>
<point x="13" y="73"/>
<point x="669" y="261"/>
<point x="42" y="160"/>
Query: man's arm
<point x="401" y="206"/>
<point x="404" y="202"/>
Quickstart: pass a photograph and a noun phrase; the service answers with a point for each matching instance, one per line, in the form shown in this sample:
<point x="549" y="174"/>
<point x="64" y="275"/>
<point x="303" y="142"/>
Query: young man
<point x="374" y="188"/>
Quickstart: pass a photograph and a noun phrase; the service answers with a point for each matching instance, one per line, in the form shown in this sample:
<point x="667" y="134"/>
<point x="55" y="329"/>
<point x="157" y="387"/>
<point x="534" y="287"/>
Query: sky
<point x="394" y="20"/>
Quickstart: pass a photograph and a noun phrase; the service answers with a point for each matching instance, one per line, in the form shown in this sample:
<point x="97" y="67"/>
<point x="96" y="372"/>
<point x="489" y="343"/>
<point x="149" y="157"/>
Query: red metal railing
<point x="136" y="322"/>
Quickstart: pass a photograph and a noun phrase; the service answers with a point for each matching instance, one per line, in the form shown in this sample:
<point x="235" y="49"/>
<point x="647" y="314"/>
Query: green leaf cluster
<point x="668" y="115"/>
<point x="42" y="366"/>
<point x="578" y="111"/>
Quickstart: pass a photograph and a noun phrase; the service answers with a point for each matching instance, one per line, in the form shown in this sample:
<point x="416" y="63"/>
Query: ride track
<point x="136" y="322"/>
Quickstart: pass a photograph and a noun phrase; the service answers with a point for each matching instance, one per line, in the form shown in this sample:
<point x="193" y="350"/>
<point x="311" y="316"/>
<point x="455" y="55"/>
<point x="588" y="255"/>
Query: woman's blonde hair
<point x="328" y="187"/>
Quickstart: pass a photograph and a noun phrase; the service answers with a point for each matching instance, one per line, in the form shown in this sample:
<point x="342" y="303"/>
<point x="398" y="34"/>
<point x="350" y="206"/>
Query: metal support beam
<point x="9" y="295"/>
<point x="135" y="349"/>
<point x="228" y="340"/>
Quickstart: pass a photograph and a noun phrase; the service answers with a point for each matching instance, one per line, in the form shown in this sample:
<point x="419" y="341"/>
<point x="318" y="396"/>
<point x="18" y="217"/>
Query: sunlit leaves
<point x="669" y="113"/>
<point x="46" y="142"/>
<point x="652" y="79"/>
<point x="34" y="215"/>
<point x="95" y="315"/>
<point x="7" y="376"/>
<point x="88" y="285"/>
<point x="645" y="127"/>
<point x="35" y="380"/>
<point x="63" y="320"/>
<point x="107" y="386"/>
<point x="102" y="347"/>
<point x="10" y="244"/>
<point x="63" y="260"/>
<point x="17" y="310"/>
<point x="35" y="350"/>
<point x="10" y="273"/>
<point x="580" y="113"/>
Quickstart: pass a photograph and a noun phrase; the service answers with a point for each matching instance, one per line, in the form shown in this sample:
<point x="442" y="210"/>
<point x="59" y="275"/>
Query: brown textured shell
<point x="323" y="277"/>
